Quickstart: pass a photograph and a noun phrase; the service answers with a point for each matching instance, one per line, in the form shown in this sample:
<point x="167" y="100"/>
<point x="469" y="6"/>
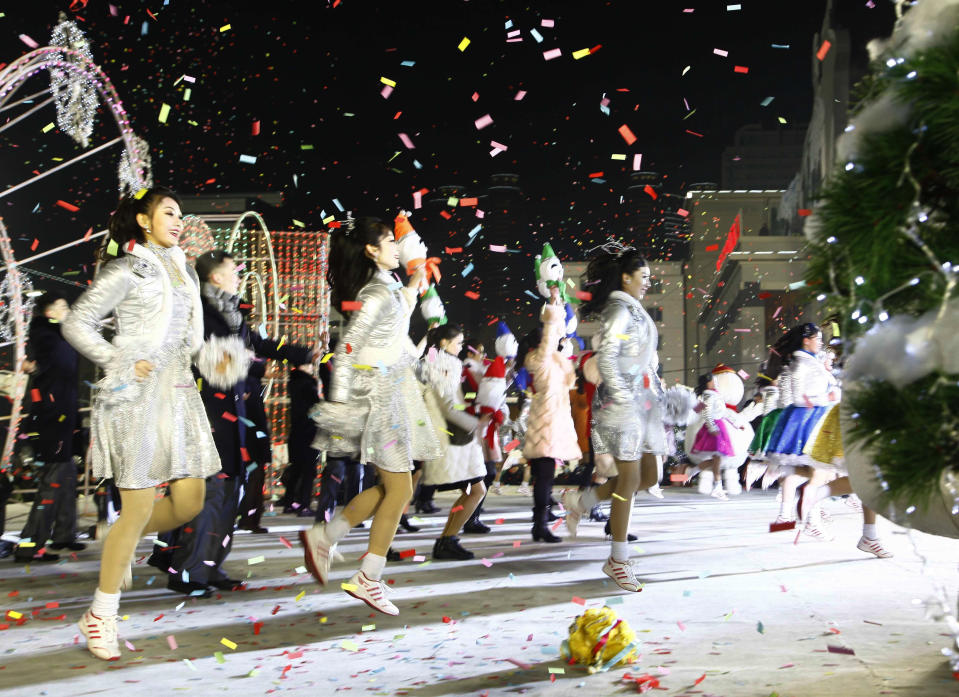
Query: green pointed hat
<point x="547" y="253"/>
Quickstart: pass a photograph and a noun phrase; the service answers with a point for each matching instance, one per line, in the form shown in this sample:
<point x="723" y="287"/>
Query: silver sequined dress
<point x="627" y="411"/>
<point x="375" y="410"/>
<point x="150" y="431"/>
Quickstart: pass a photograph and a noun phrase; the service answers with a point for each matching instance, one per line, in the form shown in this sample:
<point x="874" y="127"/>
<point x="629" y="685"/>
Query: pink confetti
<point x="720" y="52"/>
<point x="637" y="161"/>
<point x="743" y="331"/>
<point x="743" y="374"/>
<point x="552" y="53"/>
<point x="171" y="640"/>
<point x="682" y="627"/>
<point x="519" y="95"/>
<point x="497" y="247"/>
<point x="778" y="310"/>
<point x="417" y="199"/>
<point x="479" y="213"/>
<point x="226" y="541"/>
<point x="28" y="41"/>
<point x="386" y="91"/>
<point x="689" y="10"/>
<point x="548" y="23"/>
<point x="475" y="96"/>
<point x="524" y="666"/>
<point x="683" y="212"/>
<point x="130" y="646"/>
<point x="499" y="146"/>
<point x="486" y="562"/>
<point x="406" y="140"/>
<point x="482" y="122"/>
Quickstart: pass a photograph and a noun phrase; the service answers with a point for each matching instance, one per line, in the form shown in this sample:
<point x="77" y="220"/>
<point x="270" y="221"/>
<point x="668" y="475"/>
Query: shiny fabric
<point x="145" y="432"/>
<point x="375" y="409"/>
<point x="627" y="414"/>
<point x="825" y="444"/>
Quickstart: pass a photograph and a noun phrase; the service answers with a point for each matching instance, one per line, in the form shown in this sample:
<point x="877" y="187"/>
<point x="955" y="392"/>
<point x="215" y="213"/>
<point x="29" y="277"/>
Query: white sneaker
<point x="873" y="547"/>
<point x="371" y="592"/>
<point x="573" y="510"/>
<point x="719" y="493"/>
<point x="820" y="533"/>
<point x="101" y="635"/>
<point x="497" y="489"/>
<point x="656" y="491"/>
<point x="318" y="552"/>
<point x="622" y="573"/>
<point x="524" y="490"/>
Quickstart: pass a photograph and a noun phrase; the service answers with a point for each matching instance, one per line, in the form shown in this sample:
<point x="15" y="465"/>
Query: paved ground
<point x="728" y="609"/>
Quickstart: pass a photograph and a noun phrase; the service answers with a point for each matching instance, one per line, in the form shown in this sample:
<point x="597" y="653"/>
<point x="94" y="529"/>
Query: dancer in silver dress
<point x="375" y="410"/>
<point x="627" y="406"/>
<point x="148" y="425"/>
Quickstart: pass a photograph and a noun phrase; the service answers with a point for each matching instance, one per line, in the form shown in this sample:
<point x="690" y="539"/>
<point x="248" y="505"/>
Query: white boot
<point x="731" y="482"/>
<point x="705" y="482"/>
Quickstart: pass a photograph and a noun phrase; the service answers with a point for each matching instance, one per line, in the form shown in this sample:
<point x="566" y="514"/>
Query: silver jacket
<point x="810" y="381"/>
<point x="137" y="290"/>
<point x="376" y="335"/>
<point x="627" y="354"/>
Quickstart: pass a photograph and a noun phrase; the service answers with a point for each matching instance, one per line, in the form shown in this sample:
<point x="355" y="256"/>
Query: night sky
<point x="310" y="74"/>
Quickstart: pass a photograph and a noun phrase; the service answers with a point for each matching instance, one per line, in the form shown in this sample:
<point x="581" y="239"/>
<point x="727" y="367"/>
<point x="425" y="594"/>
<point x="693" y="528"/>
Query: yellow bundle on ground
<point x="600" y="640"/>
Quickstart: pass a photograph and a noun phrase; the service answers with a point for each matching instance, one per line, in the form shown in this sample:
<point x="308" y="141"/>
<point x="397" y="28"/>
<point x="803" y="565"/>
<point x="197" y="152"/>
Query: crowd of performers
<point x="179" y="411"/>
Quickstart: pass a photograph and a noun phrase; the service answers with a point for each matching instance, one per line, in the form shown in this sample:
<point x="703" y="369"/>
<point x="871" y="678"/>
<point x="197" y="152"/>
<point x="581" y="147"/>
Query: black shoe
<point x="255" y="529"/>
<point x="28" y="557"/>
<point x="450" y="548"/>
<point x="226" y="584"/>
<point x="195" y="590"/>
<point x="630" y="537"/>
<point x="550" y="516"/>
<point x="72" y="546"/>
<point x="6" y="548"/>
<point x="160" y="561"/>
<point x="359" y="526"/>
<point x="475" y="526"/>
<point x="426" y="507"/>
<point x="597" y="516"/>
<point x="306" y="512"/>
<point x="541" y="533"/>
<point x="407" y="525"/>
<point x="393" y="555"/>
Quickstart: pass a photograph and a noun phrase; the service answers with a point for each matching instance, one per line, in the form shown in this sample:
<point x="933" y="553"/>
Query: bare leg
<point x="183" y="503"/>
<point x="790" y="483"/>
<point x="814" y="494"/>
<point x="124" y="536"/>
<point x="397" y="490"/>
<point x="463" y="507"/>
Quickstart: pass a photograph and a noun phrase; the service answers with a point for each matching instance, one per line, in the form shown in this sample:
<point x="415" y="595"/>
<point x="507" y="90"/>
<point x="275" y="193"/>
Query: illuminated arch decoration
<point x="75" y="83"/>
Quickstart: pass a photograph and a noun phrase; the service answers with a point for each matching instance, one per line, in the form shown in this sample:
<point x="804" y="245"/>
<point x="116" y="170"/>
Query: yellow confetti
<point x="323" y="620"/>
<point x="300" y="595"/>
<point x="387" y="81"/>
<point x="255" y="560"/>
<point x="349" y="645"/>
<point x="835" y="329"/>
<point x="581" y="53"/>
<point x="368" y="627"/>
<point x="113" y="248"/>
<point x="27" y="544"/>
<point x="618" y="156"/>
<point x="218" y="655"/>
<point x="227" y="643"/>
<point x="557" y="671"/>
<point x="781" y="119"/>
<point x="299" y="223"/>
<point x="225" y="27"/>
<point x="13" y="614"/>
<point x="463" y="44"/>
<point x="623" y="337"/>
<point x="329" y="219"/>
<point x="186" y="94"/>
<point x="164" y="112"/>
<point x="49" y="127"/>
<point x="326" y="358"/>
<point x="140" y="194"/>
<point x="349" y="586"/>
<point x="361" y="366"/>
<point x="618" y="497"/>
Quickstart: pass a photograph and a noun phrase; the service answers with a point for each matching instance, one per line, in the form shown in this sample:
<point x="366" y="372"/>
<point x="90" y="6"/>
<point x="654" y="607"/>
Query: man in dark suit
<point x="196" y="551"/>
<point x="51" y="422"/>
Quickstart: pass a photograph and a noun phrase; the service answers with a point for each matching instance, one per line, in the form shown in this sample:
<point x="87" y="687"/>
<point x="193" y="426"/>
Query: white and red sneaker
<point x="873" y="547"/>
<point x="318" y="552"/>
<point x="573" y="511"/>
<point x="101" y="635"/>
<point x="622" y="573"/>
<point x="371" y="592"/>
<point x="820" y="533"/>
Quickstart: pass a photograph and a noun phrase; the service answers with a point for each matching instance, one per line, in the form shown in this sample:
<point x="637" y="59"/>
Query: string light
<point x="74" y="96"/>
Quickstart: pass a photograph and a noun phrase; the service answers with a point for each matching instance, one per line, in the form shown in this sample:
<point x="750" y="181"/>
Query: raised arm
<point x="82" y="326"/>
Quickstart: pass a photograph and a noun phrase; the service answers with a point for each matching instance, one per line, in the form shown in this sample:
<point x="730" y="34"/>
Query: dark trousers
<point x="54" y="511"/>
<point x="251" y="507"/>
<point x="298" y="479"/>
<point x="542" y="470"/>
<point x="339" y="472"/>
<point x="203" y="538"/>
<point x="6" y="488"/>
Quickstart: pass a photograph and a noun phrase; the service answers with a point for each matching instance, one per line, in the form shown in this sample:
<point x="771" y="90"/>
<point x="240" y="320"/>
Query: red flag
<point x="731" y="240"/>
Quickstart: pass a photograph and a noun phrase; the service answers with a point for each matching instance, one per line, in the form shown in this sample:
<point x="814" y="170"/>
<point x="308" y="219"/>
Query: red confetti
<point x="69" y="206"/>
<point x="595" y="175"/>
<point x="471" y="295"/>
<point x="712" y="248"/>
<point x="350" y="305"/>
<point x="255" y="128"/>
<point x="583" y="295"/>
<point x="700" y="679"/>
<point x="229" y="417"/>
<point x="469" y="201"/>
<point x="35" y="394"/>
<point x="823" y="50"/>
<point x="36" y="243"/>
<point x="406" y="553"/>
<point x="244" y="454"/>
<point x="651" y="192"/>
<point x="578" y="600"/>
<point x="693" y="133"/>
<point x="803" y="212"/>
<point x="454" y="250"/>
<point x="741" y="69"/>
<point x="627" y="134"/>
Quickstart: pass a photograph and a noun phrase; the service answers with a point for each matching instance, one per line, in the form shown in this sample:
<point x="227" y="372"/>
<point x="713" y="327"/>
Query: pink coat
<point x="550" y="431"/>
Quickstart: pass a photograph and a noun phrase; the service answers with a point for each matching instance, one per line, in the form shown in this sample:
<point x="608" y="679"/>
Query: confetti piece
<point x="618" y="497"/>
<point x="700" y="679"/>
<point x="767" y="101"/>
<point x="740" y="69"/>
<point x="720" y="52"/>
<point x="823" y="50"/>
<point x="14" y="615"/>
<point x="682" y="627"/>
<point x="348" y="586"/>
<point x="760" y="628"/>
<point x="49" y="127"/>
<point x="581" y="53"/>
<point x="387" y="81"/>
<point x="552" y="53"/>
<point x="227" y="643"/>
<point x="483" y="121"/>
<point x="840" y="649"/>
<point x="225" y="27"/>
<point x="164" y="113"/>
<point x="578" y="600"/>
<point x="627" y="134"/>
<point x="406" y="140"/>
<point x="463" y="44"/>
<point x="68" y="206"/>
<point x="28" y="41"/>
<point x="351" y="305"/>
<point x="255" y="560"/>
<point x="171" y="641"/>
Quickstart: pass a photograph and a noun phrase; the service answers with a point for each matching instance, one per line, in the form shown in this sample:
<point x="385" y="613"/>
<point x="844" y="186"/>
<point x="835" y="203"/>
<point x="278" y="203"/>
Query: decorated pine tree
<point x="885" y="245"/>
